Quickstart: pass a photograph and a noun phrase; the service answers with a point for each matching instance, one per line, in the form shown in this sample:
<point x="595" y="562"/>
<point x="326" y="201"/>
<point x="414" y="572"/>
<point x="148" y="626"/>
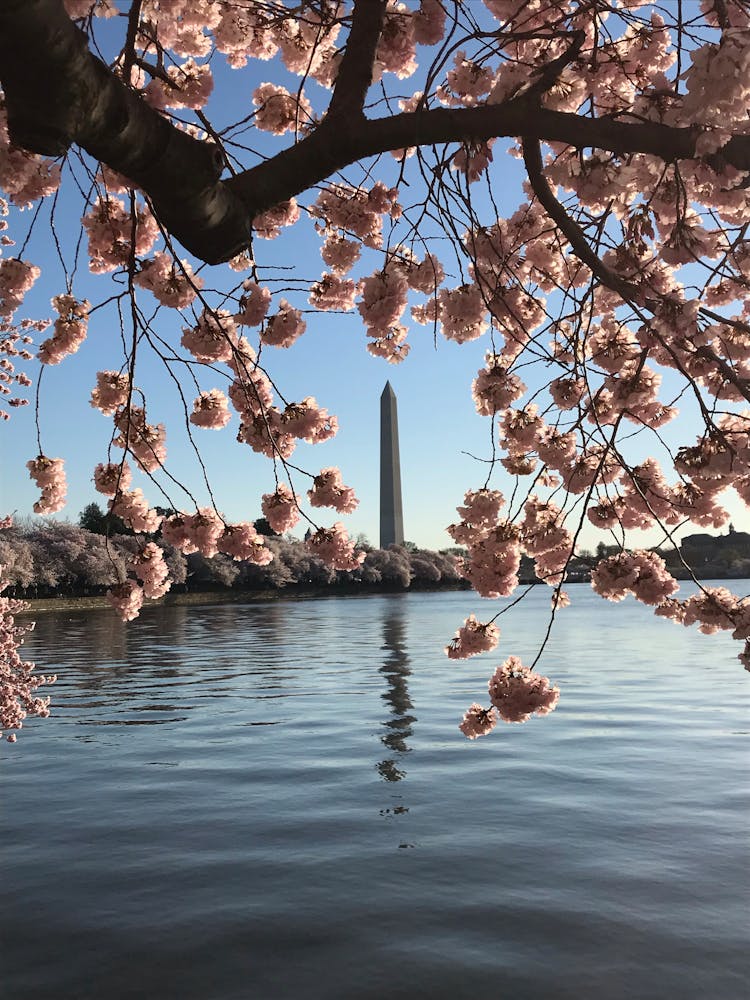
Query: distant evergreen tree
<point x="264" y="528"/>
<point x="93" y="518"/>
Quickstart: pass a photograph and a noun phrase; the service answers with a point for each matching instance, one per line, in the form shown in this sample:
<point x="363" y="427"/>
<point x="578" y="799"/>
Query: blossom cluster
<point x="335" y="548"/>
<point x="69" y="330"/>
<point x="16" y="278"/>
<point x="211" y="410"/>
<point x="641" y="573"/>
<point x="280" y="509"/>
<point x="518" y="692"/>
<point x="110" y="230"/>
<point x="14" y="348"/>
<point x="18" y="681"/>
<point x="49" y="476"/>
<point x="493" y="544"/>
<point x="129" y="505"/>
<point x="328" y="490"/>
<point x="144" y="441"/>
<point x="171" y="282"/>
<point x="208" y="533"/>
<point x="472" y="638"/>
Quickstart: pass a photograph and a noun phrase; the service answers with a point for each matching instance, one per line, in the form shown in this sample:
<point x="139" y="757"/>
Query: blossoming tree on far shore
<point x="626" y="261"/>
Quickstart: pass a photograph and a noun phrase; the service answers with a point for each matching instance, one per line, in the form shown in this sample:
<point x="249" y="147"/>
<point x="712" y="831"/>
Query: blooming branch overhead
<point x="611" y="299"/>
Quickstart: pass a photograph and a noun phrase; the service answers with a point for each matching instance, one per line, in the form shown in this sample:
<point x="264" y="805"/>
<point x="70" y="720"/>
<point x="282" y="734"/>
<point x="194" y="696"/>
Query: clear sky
<point x="438" y="423"/>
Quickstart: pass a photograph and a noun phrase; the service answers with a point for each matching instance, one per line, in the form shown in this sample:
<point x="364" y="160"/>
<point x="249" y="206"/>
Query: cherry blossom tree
<point x="19" y="681"/>
<point x="617" y="289"/>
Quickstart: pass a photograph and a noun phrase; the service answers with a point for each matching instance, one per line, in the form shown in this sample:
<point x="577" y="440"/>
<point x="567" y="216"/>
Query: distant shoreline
<point x="41" y="605"/>
<point x="64" y="602"/>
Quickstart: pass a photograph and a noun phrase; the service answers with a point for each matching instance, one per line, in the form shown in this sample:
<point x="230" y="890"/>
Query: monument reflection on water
<point x="396" y="671"/>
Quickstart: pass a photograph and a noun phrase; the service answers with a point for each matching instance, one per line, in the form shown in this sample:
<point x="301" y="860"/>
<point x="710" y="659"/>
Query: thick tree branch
<point x="355" y="72"/>
<point x="57" y="93"/>
<point x="327" y="150"/>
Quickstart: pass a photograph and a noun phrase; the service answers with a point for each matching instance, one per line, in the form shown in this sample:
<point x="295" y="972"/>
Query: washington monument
<point x="391" y="512"/>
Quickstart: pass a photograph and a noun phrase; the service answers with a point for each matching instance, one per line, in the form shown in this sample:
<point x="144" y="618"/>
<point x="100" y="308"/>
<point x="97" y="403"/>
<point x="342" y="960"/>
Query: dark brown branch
<point x="326" y="151"/>
<point x="550" y="73"/>
<point x="128" y="51"/>
<point x="58" y="93"/>
<point x="355" y="72"/>
<point x="532" y="158"/>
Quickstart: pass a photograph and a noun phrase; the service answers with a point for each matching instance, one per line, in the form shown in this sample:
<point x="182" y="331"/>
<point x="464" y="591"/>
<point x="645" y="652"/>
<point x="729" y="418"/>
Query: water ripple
<point x="273" y="800"/>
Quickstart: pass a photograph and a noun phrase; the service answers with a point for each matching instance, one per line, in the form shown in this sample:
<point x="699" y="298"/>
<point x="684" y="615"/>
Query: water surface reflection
<point x="216" y="810"/>
<point x="396" y="672"/>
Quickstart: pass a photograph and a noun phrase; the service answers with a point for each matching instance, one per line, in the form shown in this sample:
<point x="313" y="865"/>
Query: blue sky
<point x="438" y="423"/>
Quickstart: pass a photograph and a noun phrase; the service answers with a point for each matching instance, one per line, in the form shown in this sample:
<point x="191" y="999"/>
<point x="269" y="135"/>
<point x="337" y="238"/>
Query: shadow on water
<point x="396" y="671"/>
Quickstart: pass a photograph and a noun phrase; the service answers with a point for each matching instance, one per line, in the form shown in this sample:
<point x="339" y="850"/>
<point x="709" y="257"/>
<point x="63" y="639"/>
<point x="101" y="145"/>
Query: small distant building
<point x="391" y="510"/>
<point x="704" y="548"/>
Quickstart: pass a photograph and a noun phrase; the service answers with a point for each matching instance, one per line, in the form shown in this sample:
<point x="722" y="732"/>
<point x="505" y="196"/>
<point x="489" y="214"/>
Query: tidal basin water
<point x="273" y="800"/>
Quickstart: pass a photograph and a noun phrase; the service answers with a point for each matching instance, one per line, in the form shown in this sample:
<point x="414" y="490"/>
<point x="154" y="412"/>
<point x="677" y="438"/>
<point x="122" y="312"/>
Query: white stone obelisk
<point x="391" y="511"/>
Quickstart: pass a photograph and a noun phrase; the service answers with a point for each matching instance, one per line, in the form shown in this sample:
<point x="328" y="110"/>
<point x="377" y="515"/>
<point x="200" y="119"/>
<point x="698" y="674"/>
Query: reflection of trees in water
<point x="396" y="671"/>
<point x="99" y="653"/>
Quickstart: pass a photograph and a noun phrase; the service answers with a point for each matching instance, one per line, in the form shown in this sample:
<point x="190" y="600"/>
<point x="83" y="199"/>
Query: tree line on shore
<point x="49" y="557"/>
<point x="52" y="557"/>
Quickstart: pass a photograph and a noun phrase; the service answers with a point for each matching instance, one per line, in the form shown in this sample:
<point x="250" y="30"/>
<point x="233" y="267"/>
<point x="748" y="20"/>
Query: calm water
<point x="273" y="800"/>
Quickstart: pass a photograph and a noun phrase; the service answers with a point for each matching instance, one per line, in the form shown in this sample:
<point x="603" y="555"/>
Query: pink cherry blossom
<point x="210" y="409"/>
<point x="308" y="421"/>
<point x="212" y="338"/>
<point x="49" y="475"/>
<point x="333" y="293"/>
<point x="641" y="573"/>
<point x="144" y="441"/>
<point x="110" y="232"/>
<point x="478" y="721"/>
<point x="517" y="692"/>
<point x="280" y="111"/>
<point x="133" y="508"/>
<point x="339" y="253"/>
<point x="199" y="532"/>
<point x="463" y="313"/>
<point x="254" y="304"/>
<point x="151" y="569"/>
<point x="495" y="388"/>
<point x="18" y="681"/>
<point x="69" y="330"/>
<point x="473" y="638"/>
<point x="189" y="86"/>
<point x="111" y="391"/>
<point x="268" y="224"/>
<point x="110" y="477"/>
<point x="242" y="541"/>
<point x="280" y="509"/>
<point x="284" y="327"/>
<point x="16" y="278"/>
<point x="329" y="491"/>
<point x="334" y="547"/>
<point x="384" y="299"/>
<point x="127" y="599"/>
<point x="171" y="283"/>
